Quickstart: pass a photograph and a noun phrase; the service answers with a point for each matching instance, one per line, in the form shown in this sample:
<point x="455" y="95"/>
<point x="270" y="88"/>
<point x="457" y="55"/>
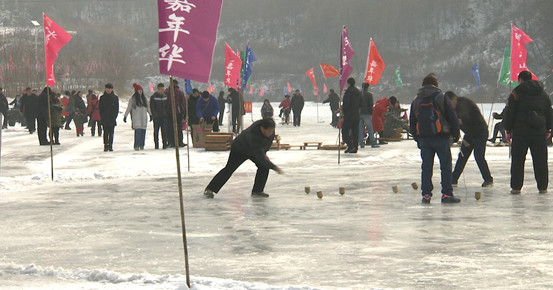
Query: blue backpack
<point x="429" y="122"/>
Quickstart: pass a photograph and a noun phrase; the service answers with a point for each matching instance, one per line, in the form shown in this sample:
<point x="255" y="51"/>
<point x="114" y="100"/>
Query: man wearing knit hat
<point x="109" y="109"/>
<point x="433" y="136"/>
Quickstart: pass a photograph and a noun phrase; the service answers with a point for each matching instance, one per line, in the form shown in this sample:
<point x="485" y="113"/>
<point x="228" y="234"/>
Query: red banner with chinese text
<point x="375" y="65"/>
<point x="54" y="39"/>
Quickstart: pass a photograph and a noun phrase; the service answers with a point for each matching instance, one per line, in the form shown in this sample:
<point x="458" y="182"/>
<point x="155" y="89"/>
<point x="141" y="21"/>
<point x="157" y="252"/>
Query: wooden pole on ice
<point x="51" y="134"/>
<point x="177" y="145"/>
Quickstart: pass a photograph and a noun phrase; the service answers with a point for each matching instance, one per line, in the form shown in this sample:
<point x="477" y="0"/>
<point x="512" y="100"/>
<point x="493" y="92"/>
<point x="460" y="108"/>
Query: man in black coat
<point x="253" y="144"/>
<point x="234" y="101"/>
<point x="4" y="108"/>
<point x="527" y="122"/>
<point x="350" y="109"/>
<point x="158" y="106"/>
<point x="42" y="115"/>
<point x="28" y="108"/>
<point x="109" y="109"/>
<point x="222" y="101"/>
<point x="334" y="101"/>
<point x="297" y="104"/>
<point x="474" y="126"/>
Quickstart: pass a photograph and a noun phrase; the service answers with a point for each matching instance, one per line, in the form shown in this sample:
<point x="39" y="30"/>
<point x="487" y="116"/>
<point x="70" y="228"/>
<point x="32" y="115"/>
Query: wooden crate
<point x="218" y="141"/>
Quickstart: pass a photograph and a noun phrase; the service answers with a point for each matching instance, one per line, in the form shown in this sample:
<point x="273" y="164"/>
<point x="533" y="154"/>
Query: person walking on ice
<point x="140" y="111"/>
<point x="253" y="144"/>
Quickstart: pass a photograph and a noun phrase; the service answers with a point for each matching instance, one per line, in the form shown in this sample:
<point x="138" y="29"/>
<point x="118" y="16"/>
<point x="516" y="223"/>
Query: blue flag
<point x="299" y="87"/>
<point x="250" y="58"/>
<point x="285" y="90"/>
<point x="188" y="87"/>
<point x="476" y="73"/>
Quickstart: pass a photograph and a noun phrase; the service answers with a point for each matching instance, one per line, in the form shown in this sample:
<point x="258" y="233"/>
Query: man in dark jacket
<point x="180" y="107"/>
<point x="365" y="117"/>
<point x="432" y="144"/>
<point x="253" y="144"/>
<point x="234" y="101"/>
<point x="297" y="104"/>
<point x="207" y="109"/>
<point x="499" y="127"/>
<point x="222" y="101"/>
<point x="4" y="108"/>
<point x="42" y="115"/>
<point x="193" y="117"/>
<point x="527" y="121"/>
<point x="28" y="107"/>
<point x="158" y="106"/>
<point x="334" y="101"/>
<point x="109" y="109"/>
<point x="350" y="110"/>
<point x="474" y="126"/>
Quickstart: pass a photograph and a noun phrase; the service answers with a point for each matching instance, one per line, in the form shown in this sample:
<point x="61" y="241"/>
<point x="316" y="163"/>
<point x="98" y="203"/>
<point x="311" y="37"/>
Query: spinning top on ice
<point x="415" y="185"/>
<point x="478" y="195"/>
<point x="319" y="194"/>
<point x="395" y="189"/>
<point x="342" y="190"/>
<point x="307" y="189"/>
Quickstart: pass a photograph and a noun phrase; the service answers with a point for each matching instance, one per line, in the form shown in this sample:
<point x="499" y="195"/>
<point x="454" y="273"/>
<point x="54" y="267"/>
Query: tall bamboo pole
<point x="176" y="140"/>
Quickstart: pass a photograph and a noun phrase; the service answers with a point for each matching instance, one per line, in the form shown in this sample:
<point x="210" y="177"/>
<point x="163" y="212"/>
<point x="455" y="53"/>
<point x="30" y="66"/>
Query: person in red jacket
<point x="93" y="111"/>
<point x="285" y="109"/>
<point x="380" y="108"/>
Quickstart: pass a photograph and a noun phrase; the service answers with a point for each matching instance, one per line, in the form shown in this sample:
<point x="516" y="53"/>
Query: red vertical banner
<point x="262" y="92"/>
<point x="325" y="89"/>
<point x="182" y="22"/>
<point x="311" y="74"/>
<point x="375" y="65"/>
<point x="54" y="39"/>
<point x="233" y="64"/>
<point x="518" y="52"/>
<point x="289" y="88"/>
<point x="346" y="53"/>
<point x="248" y="107"/>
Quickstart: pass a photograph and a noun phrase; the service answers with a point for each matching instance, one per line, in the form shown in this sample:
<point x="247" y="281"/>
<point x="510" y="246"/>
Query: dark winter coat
<point x="158" y="105"/>
<point x="193" y="113"/>
<point x="234" y="99"/>
<point x="297" y="103"/>
<point x="207" y="109"/>
<point x="379" y="114"/>
<point x="267" y="111"/>
<point x="473" y="123"/>
<point x="528" y="110"/>
<point x="351" y="103"/>
<point x="252" y="143"/>
<point x="56" y="109"/>
<point x="109" y="109"/>
<point x="449" y="120"/>
<point x="80" y="104"/>
<point x="42" y="106"/>
<point x="221" y="100"/>
<point x="180" y="101"/>
<point x="94" y="109"/>
<point x="28" y="105"/>
<point x="3" y="104"/>
<point x="367" y="103"/>
<point x="334" y="101"/>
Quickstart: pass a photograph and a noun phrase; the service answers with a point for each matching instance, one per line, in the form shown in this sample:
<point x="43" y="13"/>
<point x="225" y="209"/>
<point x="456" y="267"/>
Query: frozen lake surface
<point x="112" y="220"/>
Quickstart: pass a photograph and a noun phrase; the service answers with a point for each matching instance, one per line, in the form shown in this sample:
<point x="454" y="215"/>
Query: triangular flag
<point x="210" y="89"/>
<point x="375" y="65"/>
<point x="325" y="89"/>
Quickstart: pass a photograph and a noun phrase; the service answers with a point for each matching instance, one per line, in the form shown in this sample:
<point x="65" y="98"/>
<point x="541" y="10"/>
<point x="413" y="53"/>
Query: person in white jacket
<point x="140" y="114"/>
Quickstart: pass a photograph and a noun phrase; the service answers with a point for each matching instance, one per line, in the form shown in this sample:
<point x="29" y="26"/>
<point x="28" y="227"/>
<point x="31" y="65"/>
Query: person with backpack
<point x="433" y="122"/>
<point x="527" y="120"/>
<point x="474" y="126"/>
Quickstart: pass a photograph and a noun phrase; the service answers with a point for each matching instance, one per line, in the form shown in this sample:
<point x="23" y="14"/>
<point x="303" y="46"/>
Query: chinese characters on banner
<point x="233" y="64"/>
<point x="518" y="52"/>
<point x="248" y="107"/>
<point x="187" y="36"/>
<point x="375" y="65"/>
<point x="329" y="71"/>
<point x="311" y="74"/>
<point x="346" y="53"/>
<point x="54" y="39"/>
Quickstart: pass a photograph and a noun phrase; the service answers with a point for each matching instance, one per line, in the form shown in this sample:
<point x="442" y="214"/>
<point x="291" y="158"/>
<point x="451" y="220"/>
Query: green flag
<point x="505" y="73"/>
<point x="399" y="82"/>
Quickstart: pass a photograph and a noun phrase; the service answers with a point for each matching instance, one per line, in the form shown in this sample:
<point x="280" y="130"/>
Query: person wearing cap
<point x="158" y="107"/>
<point x="4" y="108"/>
<point x="28" y="107"/>
<point x="140" y="113"/>
<point x="437" y="143"/>
<point x="207" y="109"/>
<point x="180" y="108"/>
<point x="109" y="109"/>
<point x="93" y="112"/>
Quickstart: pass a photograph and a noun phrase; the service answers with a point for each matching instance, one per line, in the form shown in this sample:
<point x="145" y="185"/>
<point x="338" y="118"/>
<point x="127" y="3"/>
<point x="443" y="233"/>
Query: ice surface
<point x="112" y="220"/>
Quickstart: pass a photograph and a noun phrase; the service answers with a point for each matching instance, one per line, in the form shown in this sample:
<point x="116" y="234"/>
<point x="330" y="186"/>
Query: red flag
<point x="346" y="53"/>
<point x="518" y="52"/>
<point x="151" y="87"/>
<point x="325" y="89"/>
<point x="210" y="89"/>
<point x="329" y="71"/>
<point x="311" y="74"/>
<point x="262" y="92"/>
<point x="233" y="64"/>
<point x="251" y="90"/>
<point x="54" y="39"/>
<point x="289" y="88"/>
<point x="375" y="65"/>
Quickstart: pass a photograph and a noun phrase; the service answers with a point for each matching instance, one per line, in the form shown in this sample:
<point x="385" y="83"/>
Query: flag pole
<point x="340" y="129"/>
<point x="176" y="140"/>
<point x="187" y="130"/>
<point x="51" y="134"/>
